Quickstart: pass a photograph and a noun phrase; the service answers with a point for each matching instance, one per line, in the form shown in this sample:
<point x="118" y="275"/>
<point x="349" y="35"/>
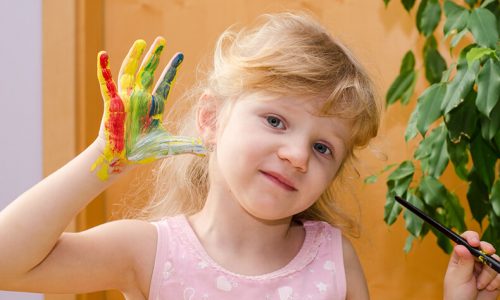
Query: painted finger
<point x="145" y="76"/>
<point x="113" y="120"/>
<point x="114" y="112"/>
<point x="128" y="69"/>
<point x="159" y="144"/>
<point x="162" y="90"/>
<point x="106" y="83"/>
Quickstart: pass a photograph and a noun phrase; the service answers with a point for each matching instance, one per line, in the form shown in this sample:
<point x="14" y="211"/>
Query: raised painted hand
<point x="132" y="128"/>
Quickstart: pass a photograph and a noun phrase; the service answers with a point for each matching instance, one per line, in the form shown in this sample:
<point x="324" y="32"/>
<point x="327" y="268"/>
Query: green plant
<point x="457" y="117"/>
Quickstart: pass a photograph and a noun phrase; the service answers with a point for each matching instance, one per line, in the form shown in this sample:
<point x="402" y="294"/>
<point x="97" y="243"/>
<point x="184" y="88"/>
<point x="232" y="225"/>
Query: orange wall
<point x="379" y="37"/>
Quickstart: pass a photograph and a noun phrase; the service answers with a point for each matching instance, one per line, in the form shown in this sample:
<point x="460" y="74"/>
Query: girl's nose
<point x="296" y="153"/>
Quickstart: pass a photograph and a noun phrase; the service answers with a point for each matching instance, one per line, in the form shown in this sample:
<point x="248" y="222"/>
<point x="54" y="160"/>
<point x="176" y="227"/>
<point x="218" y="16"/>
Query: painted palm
<point x="133" y="111"/>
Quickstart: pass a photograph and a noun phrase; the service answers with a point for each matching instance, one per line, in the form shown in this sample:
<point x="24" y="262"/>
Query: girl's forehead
<point x="313" y="105"/>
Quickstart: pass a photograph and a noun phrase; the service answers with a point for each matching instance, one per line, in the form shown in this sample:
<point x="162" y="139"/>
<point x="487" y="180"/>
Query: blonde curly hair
<point x="284" y="54"/>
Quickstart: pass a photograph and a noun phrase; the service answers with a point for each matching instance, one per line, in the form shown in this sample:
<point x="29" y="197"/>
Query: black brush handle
<point x="483" y="257"/>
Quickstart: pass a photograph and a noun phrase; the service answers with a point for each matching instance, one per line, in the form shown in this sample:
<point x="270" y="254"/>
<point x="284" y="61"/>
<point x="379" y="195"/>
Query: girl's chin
<point x="269" y="215"/>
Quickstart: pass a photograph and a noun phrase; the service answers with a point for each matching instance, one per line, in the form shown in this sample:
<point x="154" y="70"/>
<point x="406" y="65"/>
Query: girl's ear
<point x="206" y="119"/>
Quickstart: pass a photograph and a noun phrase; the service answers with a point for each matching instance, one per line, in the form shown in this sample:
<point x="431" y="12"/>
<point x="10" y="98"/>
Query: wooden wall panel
<point x="58" y="90"/>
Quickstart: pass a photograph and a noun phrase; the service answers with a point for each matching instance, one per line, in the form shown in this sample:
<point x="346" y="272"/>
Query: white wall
<point x="20" y="104"/>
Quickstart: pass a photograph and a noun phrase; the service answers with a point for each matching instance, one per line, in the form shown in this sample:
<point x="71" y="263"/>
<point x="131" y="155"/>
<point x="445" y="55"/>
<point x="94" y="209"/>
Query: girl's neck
<point x="225" y="229"/>
<point x="226" y="221"/>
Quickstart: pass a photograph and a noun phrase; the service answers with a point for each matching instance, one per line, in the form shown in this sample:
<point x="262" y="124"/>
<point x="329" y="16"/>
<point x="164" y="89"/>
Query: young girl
<point x="280" y="114"/>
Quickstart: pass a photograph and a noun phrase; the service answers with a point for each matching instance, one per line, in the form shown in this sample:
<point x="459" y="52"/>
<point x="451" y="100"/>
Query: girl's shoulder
<point x="135" y="245"/>
<point x="322" y="230"/>
<point x="357" y="287"/>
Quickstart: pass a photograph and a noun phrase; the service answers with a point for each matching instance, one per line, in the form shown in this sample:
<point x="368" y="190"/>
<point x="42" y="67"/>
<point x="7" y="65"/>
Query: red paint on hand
<point x="116" y="124"/>
<point x="116" y="121"/>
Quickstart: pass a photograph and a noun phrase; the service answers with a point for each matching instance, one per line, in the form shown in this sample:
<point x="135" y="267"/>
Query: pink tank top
<point x="184" y="271"/>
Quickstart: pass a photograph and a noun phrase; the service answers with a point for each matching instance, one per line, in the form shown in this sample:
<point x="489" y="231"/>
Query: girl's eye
<point x="322" y="148"/>
<point x="274" y="122"/>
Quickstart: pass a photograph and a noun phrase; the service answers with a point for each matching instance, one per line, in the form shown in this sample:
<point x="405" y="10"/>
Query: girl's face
<point x="275" y="156"/>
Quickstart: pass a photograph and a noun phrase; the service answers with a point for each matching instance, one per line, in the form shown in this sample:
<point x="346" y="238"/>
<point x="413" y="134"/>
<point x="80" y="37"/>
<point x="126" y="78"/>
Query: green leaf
<point x="411" y="129"/>
<point x="429" y="106"/>
<point x="433" y="158"/>
<point x="395" y="187"/>
<point x="450" y="8"/>
<point x="494" y="220"/>
<point x="477" y="196"/>
<point x="456" y="17"/>
<point x="413" y="223"/>
<point x="495" y="197"/>
<point x="386" y="2"/>
<point x="432" y="191"/>
<point x="482" y="24"/>
<point x="492" y="235"/>
<point x="488" y="87"/>
<point x="484" y="159"/>
<point x="371" y="179"/>
<point x="408" y="244"/>
<point x="454" y="212"/>
<point x="430" y="43"/>
<point x="490" y="126"/>
<point x="457" y="38"/>
<point x="463" y="120"/>
<point x="397" y="184"/>
<point x="392" y="209"/>
<point x="438" y="159"/>
<point x="432" y="152"/>
<point x="388" y="167"/>
<point x="446" y="74"/>
<point x="496" y="143"/>
<point x="408" y="62"/>
<point x="402" y="86"/>
<point x="405" y="98"/>
<point x="477" y="53"/>
<point x="428" y="16"/>
<point x="443" y="241"/>
<point x="434" y="62"/>
<point x="460" y="86"/>
<point x="459" y="157"/>
<point x="471" y="2"/>
<point x="405" y="169"/>
<point x="487" y="2"/>
<point x="402" y="185"/>
<point x="423" y="150"/>
<point x="374" y="178"/>
<point x="434" y="66"/>
<point x="408" y="4"/>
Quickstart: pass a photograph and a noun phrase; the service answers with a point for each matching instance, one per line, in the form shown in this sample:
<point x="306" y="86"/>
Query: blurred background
<point x="49" y="52"/>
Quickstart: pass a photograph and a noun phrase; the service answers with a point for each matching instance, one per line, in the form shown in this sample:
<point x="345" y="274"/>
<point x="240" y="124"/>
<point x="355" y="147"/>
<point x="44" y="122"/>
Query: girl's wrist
<point x="102" y="166"/>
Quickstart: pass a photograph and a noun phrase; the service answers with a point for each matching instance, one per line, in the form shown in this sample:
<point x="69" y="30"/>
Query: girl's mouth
<point x="279" y="180"/>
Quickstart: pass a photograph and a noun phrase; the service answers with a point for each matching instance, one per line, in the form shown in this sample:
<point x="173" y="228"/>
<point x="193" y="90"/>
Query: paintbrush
<point x="477" y="252"/>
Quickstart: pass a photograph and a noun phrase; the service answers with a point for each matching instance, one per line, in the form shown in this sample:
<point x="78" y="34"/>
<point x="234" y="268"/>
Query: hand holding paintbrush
<point x="466" y="278"/>
<point x="476" y="251"/>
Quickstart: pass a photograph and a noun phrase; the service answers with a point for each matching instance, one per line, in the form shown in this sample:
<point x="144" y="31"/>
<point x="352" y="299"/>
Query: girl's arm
<point x="35" y="256"/>
<point x="357" y="288"/>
